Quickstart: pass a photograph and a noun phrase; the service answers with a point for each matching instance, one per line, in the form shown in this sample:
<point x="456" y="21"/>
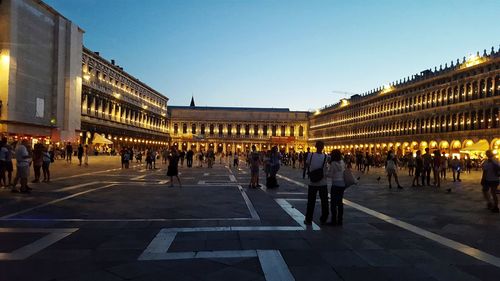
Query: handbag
<point x="317" y="174"/>
<point x="349" y="178"/>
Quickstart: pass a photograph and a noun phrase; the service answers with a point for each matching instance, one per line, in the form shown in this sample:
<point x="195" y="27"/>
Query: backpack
<point x="317" y="174"/>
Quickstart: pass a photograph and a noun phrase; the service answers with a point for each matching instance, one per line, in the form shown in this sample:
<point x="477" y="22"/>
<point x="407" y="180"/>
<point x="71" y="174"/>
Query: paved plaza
<point x="104" y="223"/>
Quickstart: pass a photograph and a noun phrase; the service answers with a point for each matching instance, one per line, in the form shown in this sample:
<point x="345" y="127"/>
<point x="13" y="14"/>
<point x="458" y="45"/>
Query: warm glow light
<point x="86" y="77"/>
<point x="5" y="59"/>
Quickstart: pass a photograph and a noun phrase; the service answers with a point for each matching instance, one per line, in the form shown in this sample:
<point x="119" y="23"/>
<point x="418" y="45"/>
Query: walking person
<point x="255" y="162"/>
<point x="23" y="162"/>
<point x="69" y="152"/>
<point x="46" y="157"/>
<point x="411" y="165"/>
<point x="189" y="158"/>
<point x="182" y="155"/>
<point x="173" y="169"/>
<point x="366" y="163"/>
<point x="126" y="158"/>
<point x="468" y="163"/>
<point x="419" y="166"/>
<point x="86" y="155"/>
<point x="391" y="169"/>
<point x="79" y="154"/>
<point x="316" y="167"/>
<point x="426" y="171"/>
<point x="37" y="162"/>
<point x="236" y="160"/>
<point x="274" y="167"/>
<point x="489" y="181"/>
<point x="337" y="168"/>
<point x="8" y="167"/>
<point x="306" y="155"/>
<point x="456" y="169"/>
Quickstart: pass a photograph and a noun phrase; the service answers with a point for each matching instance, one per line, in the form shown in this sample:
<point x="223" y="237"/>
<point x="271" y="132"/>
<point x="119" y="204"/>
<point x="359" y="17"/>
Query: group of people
<point x="39" y="157"/>
<point x="319" y="167"/>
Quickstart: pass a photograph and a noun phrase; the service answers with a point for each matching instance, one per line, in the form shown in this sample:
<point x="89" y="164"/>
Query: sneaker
<point x="448" y="190"/>
<point x="489" y="206"/>
<point x="306" y="222"/>
<point x="495" y="210"/>
<point x="400" y="187"/>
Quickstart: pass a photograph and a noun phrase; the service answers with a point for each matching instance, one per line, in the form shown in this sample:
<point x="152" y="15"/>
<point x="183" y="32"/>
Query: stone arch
<point x="444" y="145"/>
<point x="433" y="145"/>
<point x="495" y="144"/>
<point x="423" y="145"/>
<point x="467" y="142"/>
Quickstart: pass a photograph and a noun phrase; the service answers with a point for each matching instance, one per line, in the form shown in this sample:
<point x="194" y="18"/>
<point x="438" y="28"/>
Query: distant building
<point x="450" y="108"/>
<point x="40" y="72"/>
<point x="236" y="129"/>
<point x="119" y="107"/>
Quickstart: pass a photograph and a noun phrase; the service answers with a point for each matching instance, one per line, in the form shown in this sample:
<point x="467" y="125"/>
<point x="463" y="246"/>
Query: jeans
<point x="311" y="202"/>
<point x="337" y="206"/>
<point x="457" y="173"/>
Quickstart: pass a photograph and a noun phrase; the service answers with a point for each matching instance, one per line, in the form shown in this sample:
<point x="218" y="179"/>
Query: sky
<point x="294" y="54"/>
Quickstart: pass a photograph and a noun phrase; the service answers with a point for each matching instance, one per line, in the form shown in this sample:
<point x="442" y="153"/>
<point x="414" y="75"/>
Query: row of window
<point x="108" y="109"/>
<point x="137" y="91"/>
<point x="462" y="121"/>
<point x="239" y="129"/>
<point x="452" y="95"/>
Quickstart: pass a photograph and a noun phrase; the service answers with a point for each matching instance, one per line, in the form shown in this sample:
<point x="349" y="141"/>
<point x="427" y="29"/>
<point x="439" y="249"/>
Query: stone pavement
<point x="105" y="223"/>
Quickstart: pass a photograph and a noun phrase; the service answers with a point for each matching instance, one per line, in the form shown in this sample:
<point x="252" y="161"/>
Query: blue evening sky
<point x="280" y="53"/>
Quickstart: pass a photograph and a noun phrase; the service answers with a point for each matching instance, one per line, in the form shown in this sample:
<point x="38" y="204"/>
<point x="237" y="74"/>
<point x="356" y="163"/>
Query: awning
<point x="98" y="139"/>
<point x="480" y="146"/>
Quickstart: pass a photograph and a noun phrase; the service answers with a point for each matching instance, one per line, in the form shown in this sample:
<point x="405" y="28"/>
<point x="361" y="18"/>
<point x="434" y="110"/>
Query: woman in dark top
<point x="173" y="162"/>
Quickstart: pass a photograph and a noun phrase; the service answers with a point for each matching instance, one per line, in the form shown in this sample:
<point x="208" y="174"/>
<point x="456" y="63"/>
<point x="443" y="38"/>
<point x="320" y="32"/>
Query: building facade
<point x="233" y="129"/>
<point x="119" y="107"/>
<point x="40" y="72"/>
<point x="450" y="108"/>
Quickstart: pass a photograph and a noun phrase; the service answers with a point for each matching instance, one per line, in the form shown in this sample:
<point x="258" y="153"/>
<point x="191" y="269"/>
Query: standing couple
<point x="318" y="172"/>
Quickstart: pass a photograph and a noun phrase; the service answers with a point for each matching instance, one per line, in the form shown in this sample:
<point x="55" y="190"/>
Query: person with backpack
<point x="489" y="181"/>
<point x="317" y="169"/>
<point x="255" y="162"/>
<point x="126" y="158"/>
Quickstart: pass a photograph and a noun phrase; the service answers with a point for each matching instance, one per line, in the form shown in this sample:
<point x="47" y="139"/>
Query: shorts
<point x="391" y="171"/>
<point x="23" y="172"/>
<point x="490" y="185"/>
<point x="8" y="166"/>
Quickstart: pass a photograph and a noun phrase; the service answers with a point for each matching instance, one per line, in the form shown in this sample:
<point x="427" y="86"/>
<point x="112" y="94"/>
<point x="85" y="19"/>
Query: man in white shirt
<point x="23" y="160"/>
<point x="317" y="169"/>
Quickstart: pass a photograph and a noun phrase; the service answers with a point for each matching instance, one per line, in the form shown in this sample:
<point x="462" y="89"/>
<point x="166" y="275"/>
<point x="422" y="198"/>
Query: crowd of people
<point x="421" y="168"/>
<point x="39" y="156"/>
